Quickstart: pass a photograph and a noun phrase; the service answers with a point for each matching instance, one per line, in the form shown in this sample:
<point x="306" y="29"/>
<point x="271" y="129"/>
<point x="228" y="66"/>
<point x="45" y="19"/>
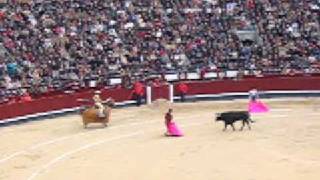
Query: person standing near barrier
<point x="138" y="89"/>
<point x="182" y="89"/>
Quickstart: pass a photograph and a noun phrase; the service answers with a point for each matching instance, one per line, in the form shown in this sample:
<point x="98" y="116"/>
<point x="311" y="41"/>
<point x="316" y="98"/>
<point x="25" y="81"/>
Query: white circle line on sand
<point x="39" y="145"/>
<point x="314" y="114"/>
<point x="281" y="110"/>
<point x="11" y="156"/>
<point x="271" y="116"/>
<point x="88" y="146"/>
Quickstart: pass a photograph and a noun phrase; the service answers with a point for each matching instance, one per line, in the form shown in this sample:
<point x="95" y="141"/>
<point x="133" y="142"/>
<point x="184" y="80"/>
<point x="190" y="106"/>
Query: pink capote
<point x="257" y="107"/>
<point x="173" y="130"/>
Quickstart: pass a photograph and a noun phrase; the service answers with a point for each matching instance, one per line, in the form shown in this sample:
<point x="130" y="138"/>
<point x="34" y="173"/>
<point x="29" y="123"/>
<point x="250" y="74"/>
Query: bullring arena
<point x="65" y="64"/>
<point x="283" y="144"/>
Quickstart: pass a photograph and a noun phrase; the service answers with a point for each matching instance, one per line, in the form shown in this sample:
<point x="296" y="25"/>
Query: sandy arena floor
<point x="283" y="144"/>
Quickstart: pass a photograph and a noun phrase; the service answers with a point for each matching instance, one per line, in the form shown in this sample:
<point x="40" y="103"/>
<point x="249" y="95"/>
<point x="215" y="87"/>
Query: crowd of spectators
<point x="45" y="44"/>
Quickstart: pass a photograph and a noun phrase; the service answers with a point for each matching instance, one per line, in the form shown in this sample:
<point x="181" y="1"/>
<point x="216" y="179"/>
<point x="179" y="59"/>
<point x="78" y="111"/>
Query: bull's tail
<point x="252" y="121"/>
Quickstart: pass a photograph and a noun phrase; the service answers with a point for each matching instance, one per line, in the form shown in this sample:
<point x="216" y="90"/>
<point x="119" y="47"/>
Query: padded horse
<point x="91" y="115"/>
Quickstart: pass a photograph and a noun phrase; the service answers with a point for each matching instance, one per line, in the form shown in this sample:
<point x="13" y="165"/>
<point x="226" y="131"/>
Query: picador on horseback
<point x="98" y="103"/>
<point x="99" y="113"/>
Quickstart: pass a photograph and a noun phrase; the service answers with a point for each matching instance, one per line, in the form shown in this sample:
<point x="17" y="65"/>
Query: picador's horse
<point x="232" y="116"/>
<point x="91" y="114"/>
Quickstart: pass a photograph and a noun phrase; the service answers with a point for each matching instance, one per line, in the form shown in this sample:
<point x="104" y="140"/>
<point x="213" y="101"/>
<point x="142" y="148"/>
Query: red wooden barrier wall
<point x="62" y="101"/>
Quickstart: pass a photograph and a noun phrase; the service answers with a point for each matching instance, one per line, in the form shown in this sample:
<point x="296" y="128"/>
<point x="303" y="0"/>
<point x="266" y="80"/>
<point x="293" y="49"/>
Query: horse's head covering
<point x="97" y="92"/>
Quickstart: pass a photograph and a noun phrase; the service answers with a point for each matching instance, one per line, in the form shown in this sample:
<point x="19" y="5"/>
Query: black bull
<point x="232" y="116"/>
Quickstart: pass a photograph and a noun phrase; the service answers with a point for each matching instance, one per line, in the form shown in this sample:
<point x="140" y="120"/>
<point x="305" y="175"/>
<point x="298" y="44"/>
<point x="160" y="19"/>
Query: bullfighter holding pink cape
<point x="172" y="128"/>
<point x="255" y="105"/>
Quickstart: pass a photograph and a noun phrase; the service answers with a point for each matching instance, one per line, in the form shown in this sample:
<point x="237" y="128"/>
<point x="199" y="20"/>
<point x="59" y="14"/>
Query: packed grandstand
<point x="48" y="45"/>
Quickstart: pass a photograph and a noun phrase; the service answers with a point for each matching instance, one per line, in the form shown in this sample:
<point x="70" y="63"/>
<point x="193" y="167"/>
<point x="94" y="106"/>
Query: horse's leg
<point x="105" y="124"/>
<point x="107" y="116"/>
<point x="85" y="125"/>
<point x="108" y="112"/>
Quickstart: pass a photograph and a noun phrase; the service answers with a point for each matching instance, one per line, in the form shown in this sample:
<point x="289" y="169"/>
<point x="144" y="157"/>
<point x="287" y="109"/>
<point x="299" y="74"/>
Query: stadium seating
<point x="55" y="45"/>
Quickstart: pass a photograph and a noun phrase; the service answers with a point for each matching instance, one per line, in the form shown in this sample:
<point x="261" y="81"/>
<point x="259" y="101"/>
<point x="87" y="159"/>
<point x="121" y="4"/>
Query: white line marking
<point x="39" y="145"/>
<point x="278" y="116"/>
<point x="271" y="116"/>
<point x="193" y="124"/>
<point x="11" y="156"/>
<point x="45" y="168"/>
<point x="64" y="138"/>
<point x="61" y="111"/>
<point x="15" y="154"/>
<point x="313" y="114"/>
<point x="65" y="155"/>
<point x="281" y="110"/>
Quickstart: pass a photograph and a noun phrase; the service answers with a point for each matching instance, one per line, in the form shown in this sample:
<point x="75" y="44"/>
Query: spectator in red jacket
<point x="26" y="97"/>
<point x="138" y="89"/>
<point x="182" y="89"/>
